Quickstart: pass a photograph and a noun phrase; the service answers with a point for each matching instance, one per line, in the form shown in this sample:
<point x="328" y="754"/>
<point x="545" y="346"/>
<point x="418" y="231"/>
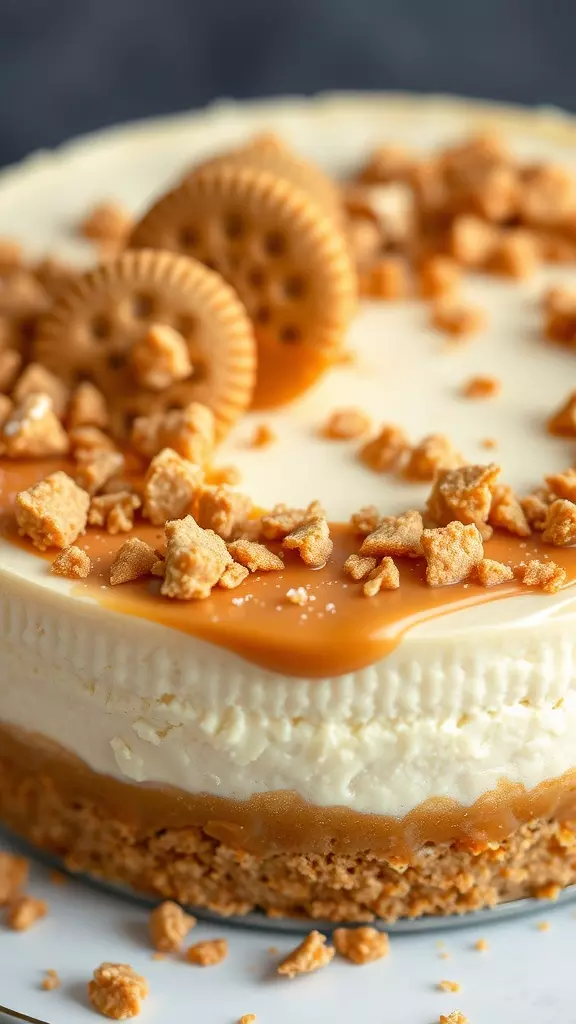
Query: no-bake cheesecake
<point x="341" y="685"/>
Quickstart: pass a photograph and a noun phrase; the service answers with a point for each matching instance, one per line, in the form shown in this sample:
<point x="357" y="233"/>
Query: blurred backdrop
<point x="69" y="66"/>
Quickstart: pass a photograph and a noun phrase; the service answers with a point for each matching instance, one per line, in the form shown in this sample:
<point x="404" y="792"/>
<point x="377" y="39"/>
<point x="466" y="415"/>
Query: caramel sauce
<point x="337" y="631"/>
<point x="278" y="821"/>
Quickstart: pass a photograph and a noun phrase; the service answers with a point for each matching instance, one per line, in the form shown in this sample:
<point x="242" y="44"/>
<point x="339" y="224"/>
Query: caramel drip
<point x="337" y="631"/>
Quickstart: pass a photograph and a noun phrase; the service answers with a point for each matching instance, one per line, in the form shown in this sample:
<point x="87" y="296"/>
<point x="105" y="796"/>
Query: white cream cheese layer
<point x="467" y="699"/>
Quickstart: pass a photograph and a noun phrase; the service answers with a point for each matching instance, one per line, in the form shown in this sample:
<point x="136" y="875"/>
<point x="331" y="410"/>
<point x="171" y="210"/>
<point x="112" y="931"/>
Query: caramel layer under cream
<point x="281" y="822"/>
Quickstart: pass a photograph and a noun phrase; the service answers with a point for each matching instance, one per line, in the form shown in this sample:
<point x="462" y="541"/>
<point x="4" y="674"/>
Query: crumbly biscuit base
<point x="190" y="865"/>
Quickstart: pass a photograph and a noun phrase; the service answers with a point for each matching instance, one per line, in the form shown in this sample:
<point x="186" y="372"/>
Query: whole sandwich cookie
<point x="316" y="660"/>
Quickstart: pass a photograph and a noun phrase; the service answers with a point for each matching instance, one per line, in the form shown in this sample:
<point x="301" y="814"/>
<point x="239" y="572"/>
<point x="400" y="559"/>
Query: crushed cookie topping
<point x="563" y="485"/>
<point x="51" y="980"/>
<point x="282" y="520"/>
<point x="262" y="437"/>
<point x="506" y="512"/>
<point x="346" y="424"/>
<point x="431" y="454"/>
<point x="464" y="494"/>
<point x="384" y="577"/>
<point x="95" y="469"/>
<point x="37" y="380"/>
<point x="106" y="222"/>
<point x="312" y="541"/>
<point x="208" y="953"/>
<point x="559" y="307"/>
<point x="481" y="387"/>
<point x="563" y="422"/>
<point x="133" y="560"/>
<point x="115" y="511"/>
<point x="358" y="567"/>
<point x="233" y="575"/>
<point x="73" y="563"/>
<point x="457" y="318"/>
<point x="222" y="510"/>
<point x="160" y="357"/>
<point x="298" y="596"/>
<point x="116" y="991"/>
<point x="52" y="513"/>
<point x="395" y="535"/>
<point x="171" y="486"/>
<point x="366" y="520"/>
<point x="490" y="572"/>
<point x="24" y="912"/>
<point x="310" y="955"/>
<point x="560" y="524"/>
<point x="195" y="560"/>
<point x="87" y="441"/>
<point x="190" y="432"/>
<point x="361" y="945"/>
<point x="535" y="507"/>
<point x="440" y="277"/>
<point x="87" y="407"/>
<point x="32" y="430"/>
<point x="452" y="553"/>
<point x="169" y="925"/>
<point x="385" y="451"/>
<point x="547" y="576"/>
<point x="255" y="557"/>
<point x="456" y="1017"/>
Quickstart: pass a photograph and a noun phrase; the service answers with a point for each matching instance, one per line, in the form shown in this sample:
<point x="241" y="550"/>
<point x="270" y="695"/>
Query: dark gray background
<point x="69" y="66"/>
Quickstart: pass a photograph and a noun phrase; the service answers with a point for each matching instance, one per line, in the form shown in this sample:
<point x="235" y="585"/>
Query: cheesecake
<point x="351" y="726"/>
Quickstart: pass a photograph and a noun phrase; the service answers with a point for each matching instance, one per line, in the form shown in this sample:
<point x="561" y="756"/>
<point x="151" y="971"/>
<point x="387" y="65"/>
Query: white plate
<point x="526" y="974"/>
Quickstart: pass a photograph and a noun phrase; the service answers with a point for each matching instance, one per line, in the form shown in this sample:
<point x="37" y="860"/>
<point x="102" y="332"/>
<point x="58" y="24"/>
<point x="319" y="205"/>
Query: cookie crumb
<point x="563" y="422"/>
<point x="431" y="454"/>
<point x="52" y="513"/>
<point x="33" y="430"/>
<point x="560" y="523"/>
<point x="361" y="945"/>
<point x="133" y="560"/>
<point x="73" y="563"/>
<point x="384" y="577"/>
<point x="160" y="357"/>
<point x="452" y="553"/>
<point x="366" y="520"/>
<point x="515" y="254"/>
<point x="548" y="576"/>
<point x="195" y="560"/>
<point x="95" y="469"/>
<point x="456" y="1017"/>
<point x="482" y="387"/>
<point x="550" y="891"/>
<point x="346" y="424"/>
<point x="24" y="911"/>
<point x="481" y="945"/>
<point x="459" y="319"/>
<point x="254" y="556"/>
<point x="464" y="494"/>
<point x="282" y="520"/>
<point x="233" y="575"/>
<point x="388" y="278"/>
<point x="448" y="986"/>
<point x="106" y="222"/>
<point x="309" y="956"/>
<point x="312" y="542"/>
<point x="207" y="953"/>
<point x="395" y="535"/>
<point x="298" y="596"/>
<point x="171" y="486"/>
<point x="490" y="572"/>
<point x="190" y="431"/>
<point x="440" y="276"/>
<point x="115" y="512"/>
<point x="169" y="925"/>
<point x="247" y="1018"/>
<point x="222" y="510"/>
<point x="358" y="567"/>
<point x="87" y="407"/>
<point x="51" y="981"/>
<point x="262" y="437"/>
<point x="116" y="991"/>
<point x="385" y="451"/>
<point x="472" y="240"/>
<point x="543" y="926"/>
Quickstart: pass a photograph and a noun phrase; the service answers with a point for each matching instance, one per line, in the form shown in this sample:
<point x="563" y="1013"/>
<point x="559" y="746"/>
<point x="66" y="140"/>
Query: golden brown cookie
<point x="268" y="152"/>
<point x="95" y="322"/>
<point x="288" y="263"/>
